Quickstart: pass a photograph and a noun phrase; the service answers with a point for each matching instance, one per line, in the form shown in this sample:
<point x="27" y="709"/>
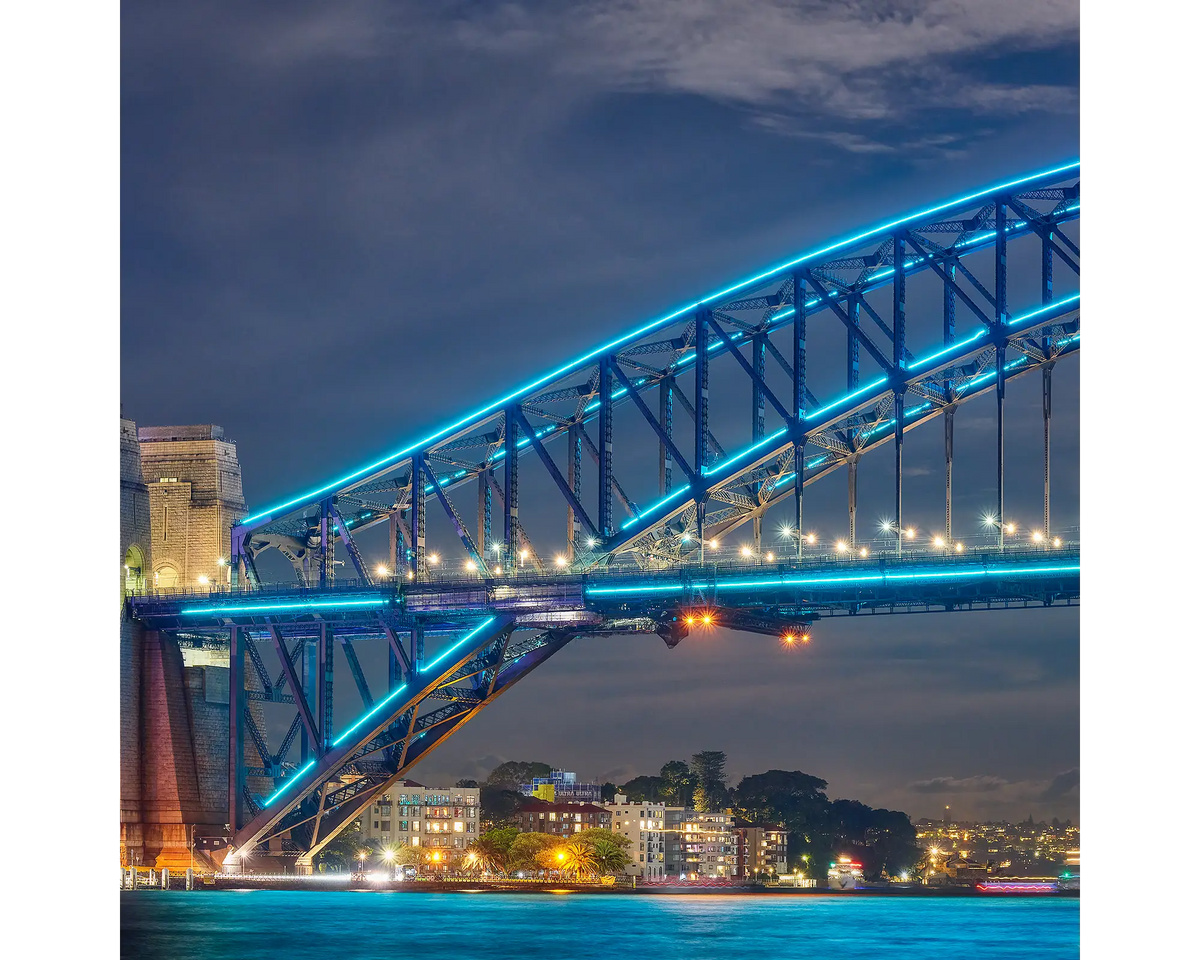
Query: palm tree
<point x="486" y="854"/>
<point x="578" y="860"/>
<point x="610" y="858"/>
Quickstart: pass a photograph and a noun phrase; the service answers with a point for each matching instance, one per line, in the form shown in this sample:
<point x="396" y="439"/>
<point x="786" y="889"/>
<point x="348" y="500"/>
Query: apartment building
<point x="561" y="819"/>
<point x="699" y="844"/>
<point x="413" y="814"/>
<point x="761" y="850"/>
<point x="643" y="824"/>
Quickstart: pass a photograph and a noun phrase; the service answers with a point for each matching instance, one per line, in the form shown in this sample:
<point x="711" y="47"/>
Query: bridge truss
<point x="634" y="567"/>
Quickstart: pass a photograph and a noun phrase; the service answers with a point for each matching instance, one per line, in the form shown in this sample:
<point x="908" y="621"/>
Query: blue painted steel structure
<point x="650" y="569"/>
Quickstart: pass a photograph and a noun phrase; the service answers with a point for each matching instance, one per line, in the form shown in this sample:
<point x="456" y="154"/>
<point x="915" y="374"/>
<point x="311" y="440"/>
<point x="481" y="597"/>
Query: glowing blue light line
<point x="1040" y="310"/>
<point x="445" y="653"/>
<point x="749" y="450"/>
<point x="957" y="345"/>
<point x="642" y="331"/>
<point x="370" y="713"/>
<point x="291" y="780"/>
<point x="649" y="510"/>
<point x="855" y="578"/>
<point x="837" y="403"/>
<point x="265" y="607"/>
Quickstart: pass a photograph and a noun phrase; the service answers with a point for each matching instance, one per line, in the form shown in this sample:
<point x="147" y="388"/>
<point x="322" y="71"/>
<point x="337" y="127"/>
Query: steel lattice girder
<point x="840" y="275"/>
<point x="320" y="802"/>
<point x="953" y="367"/>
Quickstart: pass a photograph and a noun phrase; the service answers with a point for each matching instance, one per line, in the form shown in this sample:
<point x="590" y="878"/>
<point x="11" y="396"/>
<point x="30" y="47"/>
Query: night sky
<point x="343" y="224"/>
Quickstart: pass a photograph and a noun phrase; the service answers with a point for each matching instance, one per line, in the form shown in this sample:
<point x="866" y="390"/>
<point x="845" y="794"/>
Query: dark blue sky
<point x="344" y="223"/>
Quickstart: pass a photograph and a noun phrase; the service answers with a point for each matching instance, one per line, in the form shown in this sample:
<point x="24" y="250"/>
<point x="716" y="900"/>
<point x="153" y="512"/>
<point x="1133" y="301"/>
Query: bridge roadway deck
<point x="633" y="600"/>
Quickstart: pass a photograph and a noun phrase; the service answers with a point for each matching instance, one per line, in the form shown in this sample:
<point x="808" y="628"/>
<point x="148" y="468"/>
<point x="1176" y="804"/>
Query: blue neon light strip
<point x="292" y="779"/>
<point x="1054" y="305"/>
<point x="649" y="510"/>
<point x="370" y="713"/>
<point x="270" y="607"/>
<point x="642" y="331"/>
<point x="855" y="578"/>
<point x="445" y="653"/>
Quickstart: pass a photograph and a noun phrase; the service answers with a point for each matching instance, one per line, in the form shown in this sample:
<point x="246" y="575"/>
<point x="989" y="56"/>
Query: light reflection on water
<point x="261" y="924"/>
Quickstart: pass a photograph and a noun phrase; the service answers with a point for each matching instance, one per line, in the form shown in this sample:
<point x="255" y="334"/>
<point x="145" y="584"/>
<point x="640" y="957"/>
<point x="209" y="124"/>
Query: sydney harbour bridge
<point x="661" y="452"/>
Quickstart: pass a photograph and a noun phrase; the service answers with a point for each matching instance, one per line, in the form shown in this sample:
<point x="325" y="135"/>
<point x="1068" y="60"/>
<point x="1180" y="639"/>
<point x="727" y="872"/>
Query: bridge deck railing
<point x="734" y="564"/>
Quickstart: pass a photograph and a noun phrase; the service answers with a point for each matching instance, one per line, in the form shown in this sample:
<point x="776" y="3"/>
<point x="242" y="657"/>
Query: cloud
<point x="1064" y="784"/>
<point x="991" y="797"/>
<point x="857" y="61"/>
<point x="977" y="784"/>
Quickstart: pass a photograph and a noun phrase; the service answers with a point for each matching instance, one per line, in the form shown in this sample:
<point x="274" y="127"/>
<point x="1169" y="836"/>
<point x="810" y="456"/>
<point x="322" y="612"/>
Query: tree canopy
<point x="498" y="807"/>
<point x="643" y="790"/>
<point x="708" y="780"/>
<point x="511" y="774"/>
<point x="820" y="829"/>
<point x="677" y="783"/>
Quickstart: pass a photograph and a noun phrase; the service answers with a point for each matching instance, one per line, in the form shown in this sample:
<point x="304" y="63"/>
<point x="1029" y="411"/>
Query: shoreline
<point x="560" y="889"/>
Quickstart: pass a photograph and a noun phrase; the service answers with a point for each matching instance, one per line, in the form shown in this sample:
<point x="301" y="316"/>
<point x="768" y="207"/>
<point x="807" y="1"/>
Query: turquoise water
<point x="370" y="925"/>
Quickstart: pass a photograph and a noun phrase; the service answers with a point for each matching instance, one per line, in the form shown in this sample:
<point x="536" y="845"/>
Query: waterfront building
<point x="563" y="786"/>
<point x="643" y="825"/>
<point x="761" y="850"/>
<point x="412" y="814"/>
<point x="699" y="844"/>
<point x="963" y="870"/>
<point x="561" y="819"/>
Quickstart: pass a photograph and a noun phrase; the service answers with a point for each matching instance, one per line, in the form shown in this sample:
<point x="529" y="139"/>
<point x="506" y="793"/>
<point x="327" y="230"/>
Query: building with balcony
<point x="643" y="825"/>
<point x="699" y="845"/>
<point x="412" y="814"/>
<point x="561" y="819"/>
<point x="761" y="851"/>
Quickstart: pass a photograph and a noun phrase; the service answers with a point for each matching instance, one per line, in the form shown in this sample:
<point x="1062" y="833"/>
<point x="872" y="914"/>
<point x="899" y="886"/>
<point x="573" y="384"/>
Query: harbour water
<point x="368" y="925"/>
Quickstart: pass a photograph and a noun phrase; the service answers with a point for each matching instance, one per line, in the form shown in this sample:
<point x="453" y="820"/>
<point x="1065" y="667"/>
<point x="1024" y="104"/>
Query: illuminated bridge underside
<point x="639" y="565"/>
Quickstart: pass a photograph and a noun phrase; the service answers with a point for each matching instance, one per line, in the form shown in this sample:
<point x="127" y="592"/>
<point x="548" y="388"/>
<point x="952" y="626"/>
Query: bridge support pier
<point x="237" y="701"/>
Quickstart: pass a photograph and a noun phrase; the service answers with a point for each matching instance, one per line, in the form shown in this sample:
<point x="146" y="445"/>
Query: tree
<point x="708" y="771"/>
<point x="466" y="783"/>
<point x="577" y="860"/>
<point x="820" y="829"/>
<point x="492" y="850"/>
<point x="511" y="774"/>
<point x="341" y="853"/>
<point x="677" y="785"/>
<point x="498" y="807"/>
<point x="643" y="790"/>
<point x="526" y="850"/>
<point x="608" y="792"/>
<point x="610" y="857"/>
<point x="594" y="835"/>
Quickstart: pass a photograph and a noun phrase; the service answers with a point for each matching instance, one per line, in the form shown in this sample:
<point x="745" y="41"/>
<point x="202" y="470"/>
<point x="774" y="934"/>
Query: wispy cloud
<point x="988" y="797"/>
<point x="865" y="61"/>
